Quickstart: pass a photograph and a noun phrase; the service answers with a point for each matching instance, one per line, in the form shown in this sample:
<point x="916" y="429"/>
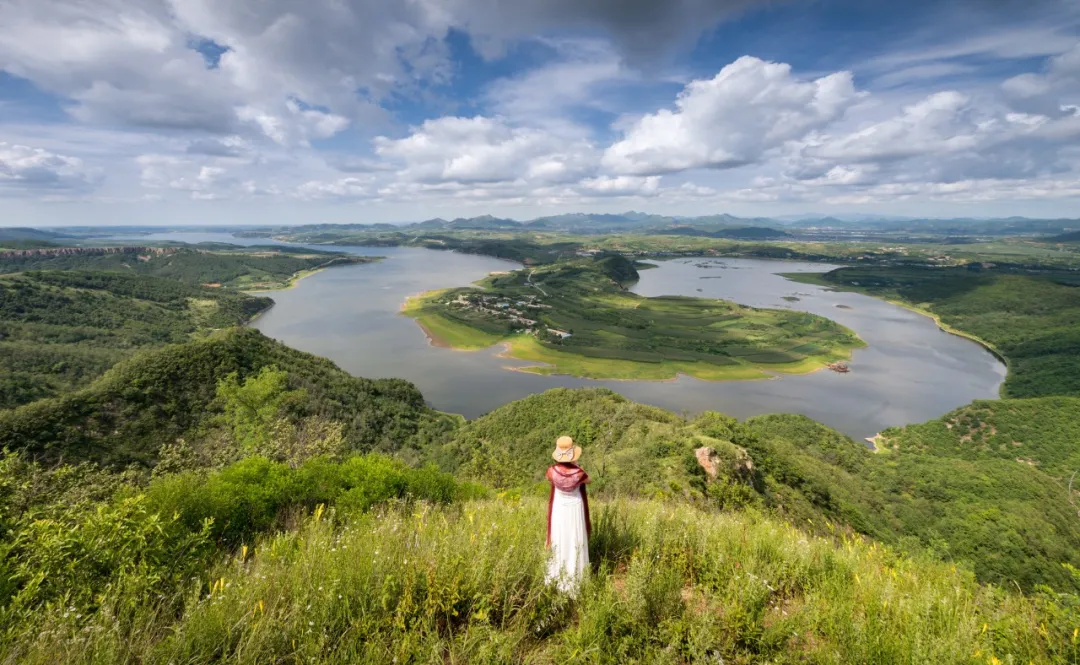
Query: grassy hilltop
<point x="465" y="584"/>
<point x="576" y="318"/>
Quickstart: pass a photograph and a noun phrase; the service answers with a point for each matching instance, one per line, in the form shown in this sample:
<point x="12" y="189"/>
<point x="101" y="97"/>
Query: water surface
<point x="911" y="371"/>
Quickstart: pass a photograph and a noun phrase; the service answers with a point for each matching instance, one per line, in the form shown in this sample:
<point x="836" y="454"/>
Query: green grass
<point x="463" y="584"/>
<point x="966" y="499"/>
<point x="442" y="330"/>
<point x="620" y="335"/>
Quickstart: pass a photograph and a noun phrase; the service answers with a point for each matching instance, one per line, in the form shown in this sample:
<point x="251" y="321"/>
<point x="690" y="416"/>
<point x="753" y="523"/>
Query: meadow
<point x="584" y="323"/>
<point x="414" y="582"/>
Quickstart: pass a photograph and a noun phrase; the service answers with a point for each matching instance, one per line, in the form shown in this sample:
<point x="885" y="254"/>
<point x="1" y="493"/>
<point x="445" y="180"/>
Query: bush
<point x="252" y="495"/>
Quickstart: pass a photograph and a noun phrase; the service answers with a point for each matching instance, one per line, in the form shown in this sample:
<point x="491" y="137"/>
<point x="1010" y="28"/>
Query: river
<point x="911" y="371"/>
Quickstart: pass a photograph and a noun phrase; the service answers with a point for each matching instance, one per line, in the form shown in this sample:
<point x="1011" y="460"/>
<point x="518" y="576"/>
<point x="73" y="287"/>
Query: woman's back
<point x="568" y="518"/>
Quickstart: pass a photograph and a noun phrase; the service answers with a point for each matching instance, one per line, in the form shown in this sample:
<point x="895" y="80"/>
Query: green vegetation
<point x="576" y="317"/>
<point x="62" y="327"/>
<point x="465" y="584"/>
<point x="1033" y="320"/>
<point x="1012" y="522"/>
<point x="160" y="397"/>
<point x="250" y="268"/>
<point x="536" y="244"/>
<point x="218" y="497"/>
<point x="61" y="330"/>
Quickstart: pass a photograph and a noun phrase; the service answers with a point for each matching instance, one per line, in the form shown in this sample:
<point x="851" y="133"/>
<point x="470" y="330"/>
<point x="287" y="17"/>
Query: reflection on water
<point x="910" y="372"/>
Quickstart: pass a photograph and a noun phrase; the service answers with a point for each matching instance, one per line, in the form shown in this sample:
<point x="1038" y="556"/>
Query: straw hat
<point x="565" y="450"/>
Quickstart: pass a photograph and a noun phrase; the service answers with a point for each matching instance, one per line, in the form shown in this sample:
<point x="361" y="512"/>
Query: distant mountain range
<point x="731" y="226"/>
<point x="718" y="225"/>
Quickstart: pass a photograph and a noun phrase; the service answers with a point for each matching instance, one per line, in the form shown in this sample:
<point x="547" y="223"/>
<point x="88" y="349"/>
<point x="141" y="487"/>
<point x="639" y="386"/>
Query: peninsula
<point x="577" y="317"/>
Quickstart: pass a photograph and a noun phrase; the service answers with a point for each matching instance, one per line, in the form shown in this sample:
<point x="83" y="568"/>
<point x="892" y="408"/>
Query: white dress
<point x="569" y="541"/>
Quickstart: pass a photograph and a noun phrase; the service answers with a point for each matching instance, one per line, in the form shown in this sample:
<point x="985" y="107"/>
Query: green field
<point x="574" y="317"/>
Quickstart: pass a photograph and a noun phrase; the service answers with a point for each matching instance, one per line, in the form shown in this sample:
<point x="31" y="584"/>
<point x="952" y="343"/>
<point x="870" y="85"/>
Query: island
<point x="577" y="317"/>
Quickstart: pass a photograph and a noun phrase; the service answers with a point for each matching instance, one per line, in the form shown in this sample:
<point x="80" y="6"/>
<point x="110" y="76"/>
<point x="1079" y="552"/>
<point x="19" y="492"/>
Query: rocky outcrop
<point x="726" y="458"/>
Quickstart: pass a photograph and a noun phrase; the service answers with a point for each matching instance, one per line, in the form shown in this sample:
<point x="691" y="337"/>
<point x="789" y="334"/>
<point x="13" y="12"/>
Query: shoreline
<point x="911" y="307"/>
<point x="296" y="277"/>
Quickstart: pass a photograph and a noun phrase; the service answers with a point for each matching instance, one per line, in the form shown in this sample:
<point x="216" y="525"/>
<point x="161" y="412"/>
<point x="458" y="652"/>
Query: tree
<point x="252" y="408"/>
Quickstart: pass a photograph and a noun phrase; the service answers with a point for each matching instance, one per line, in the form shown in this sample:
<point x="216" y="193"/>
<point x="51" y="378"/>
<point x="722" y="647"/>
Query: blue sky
<point x="282" y="112"/>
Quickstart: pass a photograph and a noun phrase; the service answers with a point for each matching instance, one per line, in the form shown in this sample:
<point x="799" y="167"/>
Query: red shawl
<point x="567" y="477"/>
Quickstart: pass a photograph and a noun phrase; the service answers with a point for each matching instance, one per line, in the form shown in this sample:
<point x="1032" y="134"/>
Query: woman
<point x="568" y="525"/>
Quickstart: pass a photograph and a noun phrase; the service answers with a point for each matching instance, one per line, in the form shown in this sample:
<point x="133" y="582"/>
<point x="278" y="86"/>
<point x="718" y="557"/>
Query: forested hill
<point x="247" y="268"/>
<point x="160" y="396"/>
<point x="59" y="330"/>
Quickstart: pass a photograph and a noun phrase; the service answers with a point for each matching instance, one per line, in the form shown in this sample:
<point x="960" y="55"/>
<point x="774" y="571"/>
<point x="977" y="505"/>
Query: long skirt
<point x="569" y="541"/>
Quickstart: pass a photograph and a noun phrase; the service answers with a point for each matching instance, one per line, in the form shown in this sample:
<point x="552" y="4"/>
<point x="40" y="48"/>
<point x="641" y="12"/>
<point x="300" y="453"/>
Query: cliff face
<point x="141" y="252"/>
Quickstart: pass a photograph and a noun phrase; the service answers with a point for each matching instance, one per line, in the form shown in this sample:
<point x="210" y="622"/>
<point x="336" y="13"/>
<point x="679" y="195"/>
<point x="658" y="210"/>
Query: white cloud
<point x="1054" y="93"/>
<point x="342" y="188"/>
<point x="25" y="170"/>
<point x="482" y="149"/>
<point x="131" y="61"/>
<point x="731" y="120"/>
<point x="199" y="181"/>
<point x="622" y="185"/>
<point x="149" y="110"/>
<point x="936" y="124"/>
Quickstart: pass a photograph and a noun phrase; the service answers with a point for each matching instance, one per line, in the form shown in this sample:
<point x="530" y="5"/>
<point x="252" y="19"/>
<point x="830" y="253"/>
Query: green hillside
<point x="61" y="330"/>
<point x="251" y="268"/>
<point x="163" y="395"/>
<point x="26" y="238"/>
<point x="1010" y="521"/>
<point x="464" y="584"/>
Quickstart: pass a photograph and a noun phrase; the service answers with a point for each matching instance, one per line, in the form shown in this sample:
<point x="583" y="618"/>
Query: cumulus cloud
<point x="135" y="61"/>
<point x="25" y="170"/>
<point x="942" y="122"/>
<point x="132" y="61"/>
<point x="622" y="185"/>
<point x="731" y="120"/>
<point x="945" y="137"/>
<point x="237" y="98"/>
<point x="482" y="149"/>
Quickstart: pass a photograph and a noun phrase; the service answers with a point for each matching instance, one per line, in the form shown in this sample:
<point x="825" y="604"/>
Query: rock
<point x="735" y="461"/>
<point x="709" y="460"/>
